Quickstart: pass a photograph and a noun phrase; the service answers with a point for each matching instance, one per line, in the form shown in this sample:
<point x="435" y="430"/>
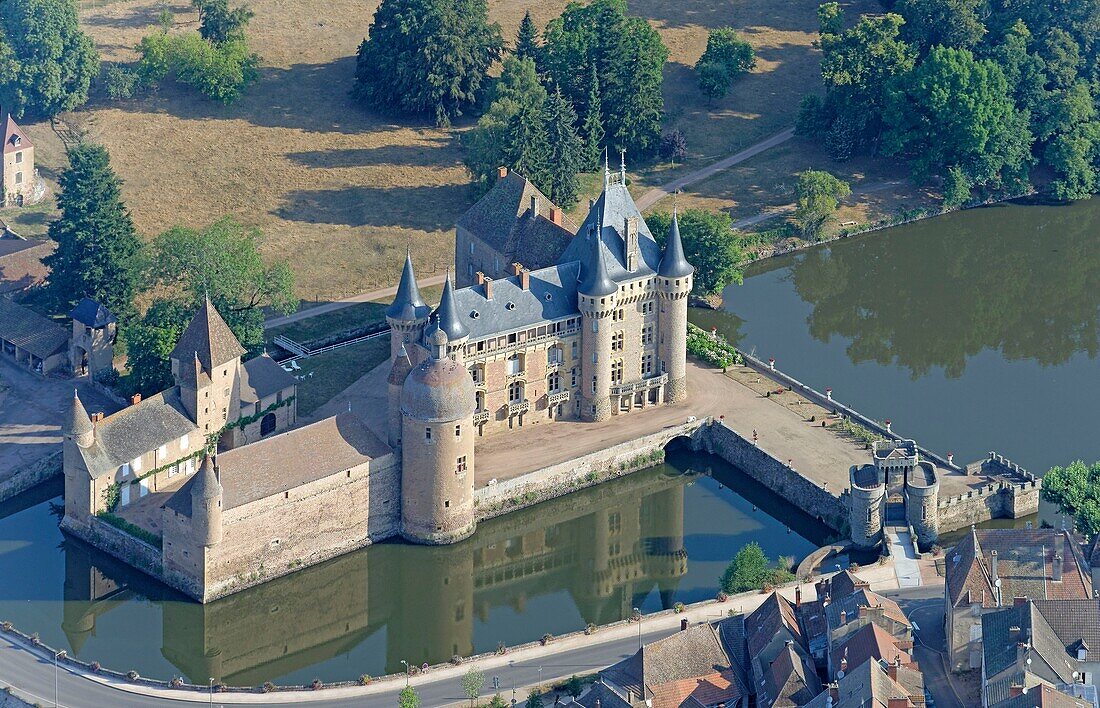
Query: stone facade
<point x="18" y="176"/>
<point x="92" y="345"/>
<point x="897" y="489"/>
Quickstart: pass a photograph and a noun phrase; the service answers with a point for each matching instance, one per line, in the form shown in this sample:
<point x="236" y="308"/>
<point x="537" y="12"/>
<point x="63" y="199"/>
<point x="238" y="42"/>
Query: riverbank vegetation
<point x="1075" y="488"/>
<point x="711" y="348"/>
<point x="750" y="570"/>
<point x="710" y="244"/>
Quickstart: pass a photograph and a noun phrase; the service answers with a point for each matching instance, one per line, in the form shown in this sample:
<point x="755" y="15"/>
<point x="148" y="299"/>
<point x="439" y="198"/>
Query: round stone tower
<point x="868" y="501"/>
<point x="674" y="282"/>
<point x="922" y="498"/>
<point x="437" y="449"/>
<point x="206" y="505"/>
<point x="596" y="301"/>
<point x="408" y="313"/>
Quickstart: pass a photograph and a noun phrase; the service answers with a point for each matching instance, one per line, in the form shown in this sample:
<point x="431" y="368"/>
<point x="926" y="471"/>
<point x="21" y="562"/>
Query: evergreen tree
<point x="46" y="62"/>
<point x="529" y="146"/>
<point x="592" y="129"/>
<point x="427" y="57"/>
<point x="629" y="57"/>
<point x="527" y="40"/>
<point x="98" y="251"/>
<point x="566" y="151"/>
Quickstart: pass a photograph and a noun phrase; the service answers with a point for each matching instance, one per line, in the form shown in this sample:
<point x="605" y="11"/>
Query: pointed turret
<point x="209" y="339"/>
<point x="447" y="315"/>
<point x="78" y="425"/>
<point x="206" y="504"/>
<point x="673" y="262"/>
<point x="407" y="305"/>
<point x="207" y="485"/>
<point x="596" y="282"/>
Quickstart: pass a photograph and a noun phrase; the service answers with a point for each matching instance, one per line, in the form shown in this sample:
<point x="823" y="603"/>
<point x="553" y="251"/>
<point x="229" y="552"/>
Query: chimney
<point x="480" y="278"/>
<point x="488" y="283"/>
<point x="844" y="661"/>
<point x="797" y="596"/>
<point x="517" y="268"/>
<point x="898" y="702"/>
<point x="834" y="692"/>
<point x="843" y="618"/>
<point x="535" y="204"/>
<point x="1019" y="601"/>
<point x="892" y="668"/>
<point x="630" y="696"/>
<point x="683" y="625"/>
<point x="1058" y="568"/>
<point x="525" y="279"/>
<point x="502" y="172"/>
<point x="1014" y="691"/>
<point x="1014" y="631"/>
<point x="135" y="399"/>
<point x="555" y="215"/>
<point x="96" y="417"/>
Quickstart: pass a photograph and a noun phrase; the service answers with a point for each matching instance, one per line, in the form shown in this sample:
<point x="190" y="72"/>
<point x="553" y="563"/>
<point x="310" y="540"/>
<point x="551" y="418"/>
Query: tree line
<point x="976" y="94"/>
<point x="155" y="288"/>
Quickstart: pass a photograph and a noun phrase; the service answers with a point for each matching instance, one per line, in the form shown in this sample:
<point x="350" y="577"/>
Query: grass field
<point x="340" y="192"/>
<point x="336" y="370"/>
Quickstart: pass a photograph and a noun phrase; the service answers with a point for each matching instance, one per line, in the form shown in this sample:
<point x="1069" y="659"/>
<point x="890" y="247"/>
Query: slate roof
<point x="865" y="686"/>
<point x="446" y="315"/>
<point x="789" y="682"/>
<point x="438" y="390"/>
<point x="91" y="313"/>
<point x="552" y="296"/>
<point x="1074" y="621"/>
<point x="283" y="462"/>
<point x="850" y="604"/>
<point x="866" y="476"/>
<point x="210" y="338"/>
<point x="600" y="695"/>
<point x="765" y="622"/>
<point x="262" y="377"/>
<point x="21" y="264"/>
<point x="137" y="429"/>
<point x="504" y="221"/>
<point x="870" y="642"/>
<point x="594" y="278"/>
<point x="407" y="304"/>
<point x="1002" y="633"/>
<point x="10" y="130"/>
<point x="840" y="585"/>
<point x="77" y="421"/>
<point x="1043" y="695"/>
<point x="1025" y="562"/>
<point x="673" y="262"/>
<point x="607" y="218"/>
<point x="690" y="662"/>
<point x="30" y="331"/>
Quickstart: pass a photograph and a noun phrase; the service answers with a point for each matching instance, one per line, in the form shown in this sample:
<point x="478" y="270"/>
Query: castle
<point x="599" y="334"/>
<point x="897" y="489"/>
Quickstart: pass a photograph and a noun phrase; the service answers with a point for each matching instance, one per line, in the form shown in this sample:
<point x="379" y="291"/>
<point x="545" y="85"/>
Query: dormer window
<point x="16" y="140"/>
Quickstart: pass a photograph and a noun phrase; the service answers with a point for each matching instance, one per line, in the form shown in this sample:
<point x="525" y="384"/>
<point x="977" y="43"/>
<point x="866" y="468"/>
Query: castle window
<point x="279" y="397"/>
<point x="256" y="409"/>
<point x="553" y="382"/>
<point x="617" y="371"/>
<point x="617" y="341"/>
<point x="479" y="397"/>
<point x="184" y="442"/>
<point x="458" y="431"/>
<point x="136" y="464"/>
<point x="460" y="464"/>
<point x="614" y="522"/>
<point x="555" y="355"/>
<point x="515" y="365"/>
<point x="573" y="349"/>
<point x="595" y="325"/>
<point x="18" y="157"/>
<point x="593" y="391"/>
<point x="477" y="373"/>
<point x="515" y="392"/>
<point x="124" y="470"/>
<point x="428" y="434"/>
<point x="647" y="335"/>
<point x="19" y="178"/>
<point x="267" y="425"/>
<point x="447" y="504"/>
<point x="573" y="378"/>
<point x="647" y="364"/>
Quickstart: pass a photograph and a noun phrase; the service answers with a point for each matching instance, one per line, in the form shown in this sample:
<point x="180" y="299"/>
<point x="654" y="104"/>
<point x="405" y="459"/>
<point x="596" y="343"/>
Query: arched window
<point x="267" y="425"/>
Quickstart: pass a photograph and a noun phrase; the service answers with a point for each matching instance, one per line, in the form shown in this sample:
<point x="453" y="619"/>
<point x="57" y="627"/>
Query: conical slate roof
<point x="208" y="339"/>
<point x="206" y="484"/>
<point x="596" y="282"/>
<point x="447" y="314"/>
<point x="407" y="304"/>
<point x="78" y="423"/>
<point x="673" y="262"/>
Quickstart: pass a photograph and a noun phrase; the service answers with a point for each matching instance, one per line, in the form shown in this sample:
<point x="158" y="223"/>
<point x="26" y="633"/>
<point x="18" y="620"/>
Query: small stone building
<point x="17" y="173"/>
<point x="31" y="340"/>
<point x="21" y="266"/>
<point x="92" y="345"/>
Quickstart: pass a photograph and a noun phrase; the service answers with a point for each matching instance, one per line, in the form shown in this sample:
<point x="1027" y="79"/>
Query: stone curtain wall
<point x="117" y="543"/>
<point x="719" y="439"/>
<point x="30" y="475"/>
<point x="558" y="480"/>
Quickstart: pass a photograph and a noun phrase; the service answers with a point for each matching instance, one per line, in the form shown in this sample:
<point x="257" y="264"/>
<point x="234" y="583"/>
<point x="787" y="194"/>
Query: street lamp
<point x="638" y="614"/>
<point x="55" y="657"/>
<point x="210" y="702"/>
<point x="540" y="679"/>
<point x="406" y="672"/>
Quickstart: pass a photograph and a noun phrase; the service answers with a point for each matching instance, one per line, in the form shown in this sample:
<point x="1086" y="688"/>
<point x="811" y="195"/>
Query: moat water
<point x="971" y="332"/>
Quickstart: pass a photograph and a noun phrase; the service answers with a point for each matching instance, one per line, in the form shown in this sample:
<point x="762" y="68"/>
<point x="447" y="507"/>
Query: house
<point x="783" y="672"/>
<point x="18" y="177"/>
<point x="872" y="685"/>
<point x="21" y="266"/>
<point x="990" y="568"/>
<point x="31" y="340"/>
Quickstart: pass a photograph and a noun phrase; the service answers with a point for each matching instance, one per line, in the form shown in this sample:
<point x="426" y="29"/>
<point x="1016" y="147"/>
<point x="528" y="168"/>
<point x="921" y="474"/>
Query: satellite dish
<point x="998" y="583"/>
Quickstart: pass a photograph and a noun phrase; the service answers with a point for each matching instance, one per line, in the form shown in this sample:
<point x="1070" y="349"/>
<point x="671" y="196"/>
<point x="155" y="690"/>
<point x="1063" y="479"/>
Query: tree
<point x="527" y="39"/>
<point x="505" y="132"/>
<point x="819" y="194"/>
<point x="46" y="62"/>
<point x="217" y="23"/>
<point x="830" y="18"/>
<point x="534" y="700"/>
<point x="750" y="570"/>
<point x="150" y="341"/>
<point x="673" y="146"/>
<point x="98" y="252"/>
<point x="710" y="245"/>
<point x="223" y="262"/>
<point x="726" y="58"/>
<point x="408" y="698"/>
<point x="1076" y="491"/>
<point x="956" y="188"/>
<point x="955" y="110"/>
<point x="629" y="57"/>
<point x="592" y="128"/>
<point x="472" y="681"/>
<point x="427" y="57"/>
<point x="565" y="150"/>
<point x="948" y="23"/>
<point x="574" y="686"/>
<point x="218" y="71"/>
<point x="497" y="701"/>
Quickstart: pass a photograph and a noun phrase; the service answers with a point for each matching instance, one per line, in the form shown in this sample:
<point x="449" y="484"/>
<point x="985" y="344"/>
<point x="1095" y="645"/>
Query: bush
<point x="317" y="685"/>
<point x="727" y="57"/>
<point x="218" y="71"/>
<point x="547" y="638"/>
<point x="268" y="687"/>
<point x="673" y="146"/>
<point x="678" y="607"/>
<point x="722" y="597"/>
<point x="136" y="531"/>
<point x="365" y="679"/>
<point x="107" y="377"/>
<point x="175" y="682"/>
<point x="715" y="351"/>
<point x="133" y="675"/>
<point x="456" y="660"/>
<point x="502" y="648"/>
<point x="750" y="570"/>
<point x="590" y="629"/>
<point x="120" y="82"/>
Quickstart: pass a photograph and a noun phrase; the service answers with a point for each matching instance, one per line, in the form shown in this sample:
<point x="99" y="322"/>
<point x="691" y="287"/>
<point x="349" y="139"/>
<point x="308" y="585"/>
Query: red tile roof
<point x="871" y="642"/>
<point x="11" y="130"/>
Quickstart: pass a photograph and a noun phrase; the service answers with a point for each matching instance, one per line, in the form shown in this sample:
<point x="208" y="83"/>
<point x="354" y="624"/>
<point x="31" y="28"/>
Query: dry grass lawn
<point x="339" y="191"/>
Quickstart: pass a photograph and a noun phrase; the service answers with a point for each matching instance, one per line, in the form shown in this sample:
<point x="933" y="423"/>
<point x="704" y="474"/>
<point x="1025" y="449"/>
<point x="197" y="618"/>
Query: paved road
<point x="346" y="302"/>
<point x="657" y="194"/>
<point x="924" y="607"/>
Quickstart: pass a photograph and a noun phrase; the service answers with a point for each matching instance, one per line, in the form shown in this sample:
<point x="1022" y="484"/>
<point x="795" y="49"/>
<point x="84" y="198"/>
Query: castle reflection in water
<point x="607" y="547"/>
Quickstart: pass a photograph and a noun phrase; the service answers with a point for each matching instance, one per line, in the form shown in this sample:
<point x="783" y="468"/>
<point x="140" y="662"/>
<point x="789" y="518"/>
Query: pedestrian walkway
<point x="905" y="559"/>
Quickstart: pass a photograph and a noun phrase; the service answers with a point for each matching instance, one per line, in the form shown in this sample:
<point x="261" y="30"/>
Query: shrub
<point x="715" y="350"/>
<point x="750" y="570"/>
<point x="136" y="531"/>
<point x="133" y="675"/>
<point x="316" y="685"/>
<point x="456" y="660"/>
<point x="590" y="629"/>
<point x="175" y="682"/>
<point x="365" y="679"/>
<point x="673" y="146"/>
<point x="268" y="687"/>
<point x="120" y="82"/>
<point x="547" y="638"/>
<point x="94" y="667"/>
<point x="502" y="648"/>
<point x="722" y="597"/>
<point x="678" y="607"/>
<point x="218" y="71"/>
